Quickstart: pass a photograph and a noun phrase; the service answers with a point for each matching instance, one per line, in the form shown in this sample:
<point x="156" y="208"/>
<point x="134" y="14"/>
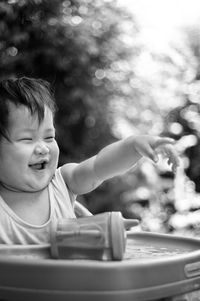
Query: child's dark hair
<point x="33" y="93"/>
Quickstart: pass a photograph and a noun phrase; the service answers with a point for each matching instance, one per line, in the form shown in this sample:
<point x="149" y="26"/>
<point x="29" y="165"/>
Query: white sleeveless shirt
<point x="14" y="230"/>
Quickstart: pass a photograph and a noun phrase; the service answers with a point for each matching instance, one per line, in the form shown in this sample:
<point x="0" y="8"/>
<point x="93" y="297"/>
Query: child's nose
<point x="41" y="149"/>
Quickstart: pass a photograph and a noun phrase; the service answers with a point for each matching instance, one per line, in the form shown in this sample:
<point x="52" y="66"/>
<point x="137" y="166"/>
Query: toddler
<point x="34" y="192"/>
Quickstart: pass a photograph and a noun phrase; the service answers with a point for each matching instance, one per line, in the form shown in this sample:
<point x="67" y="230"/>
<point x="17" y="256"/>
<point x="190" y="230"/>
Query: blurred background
<point x="118" y="67"/>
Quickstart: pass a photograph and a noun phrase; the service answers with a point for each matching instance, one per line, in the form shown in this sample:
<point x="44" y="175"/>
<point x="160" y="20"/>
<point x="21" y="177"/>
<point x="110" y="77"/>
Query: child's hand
<point x="169" y="152"/>
<point x="151" y="146"/>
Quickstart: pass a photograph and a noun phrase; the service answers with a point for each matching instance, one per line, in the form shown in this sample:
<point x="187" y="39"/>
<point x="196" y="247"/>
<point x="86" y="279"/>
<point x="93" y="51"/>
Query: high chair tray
<point x="155" y="266"/>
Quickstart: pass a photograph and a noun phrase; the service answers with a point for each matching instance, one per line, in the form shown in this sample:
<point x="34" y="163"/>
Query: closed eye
<point x="26" y="139"/>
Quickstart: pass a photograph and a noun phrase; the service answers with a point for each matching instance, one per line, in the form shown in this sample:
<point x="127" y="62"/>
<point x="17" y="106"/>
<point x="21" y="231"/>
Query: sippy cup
<point x="99" y="237"/>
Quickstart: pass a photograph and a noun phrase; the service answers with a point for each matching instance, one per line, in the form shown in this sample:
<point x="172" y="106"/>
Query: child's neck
<point x="32" y="207"/>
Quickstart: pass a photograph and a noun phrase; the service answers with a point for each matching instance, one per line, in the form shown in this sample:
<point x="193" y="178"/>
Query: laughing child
<point x="34" y="192"/>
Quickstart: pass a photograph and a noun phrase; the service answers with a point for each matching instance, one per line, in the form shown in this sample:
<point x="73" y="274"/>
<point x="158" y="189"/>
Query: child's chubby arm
<point x="81" y="177"/>
<point x="116" y="159"/>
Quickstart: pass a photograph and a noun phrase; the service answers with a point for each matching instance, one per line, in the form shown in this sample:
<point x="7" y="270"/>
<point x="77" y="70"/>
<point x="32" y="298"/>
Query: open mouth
<point x="38" y="166"/>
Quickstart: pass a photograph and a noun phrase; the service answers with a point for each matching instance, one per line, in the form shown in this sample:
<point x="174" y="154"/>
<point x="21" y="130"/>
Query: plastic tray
<point x="155" y="266"/>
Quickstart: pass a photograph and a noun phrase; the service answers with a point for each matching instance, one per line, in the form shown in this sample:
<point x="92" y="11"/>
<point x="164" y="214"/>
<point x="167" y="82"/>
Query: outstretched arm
<point x="116" y="159"/>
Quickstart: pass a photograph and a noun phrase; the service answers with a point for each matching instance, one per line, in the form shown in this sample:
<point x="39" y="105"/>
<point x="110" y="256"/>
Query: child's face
<point x="29" y="160"/>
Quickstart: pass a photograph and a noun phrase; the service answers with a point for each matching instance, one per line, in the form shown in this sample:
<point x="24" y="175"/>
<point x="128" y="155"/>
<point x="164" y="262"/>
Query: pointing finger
<point x="163" y="141"/>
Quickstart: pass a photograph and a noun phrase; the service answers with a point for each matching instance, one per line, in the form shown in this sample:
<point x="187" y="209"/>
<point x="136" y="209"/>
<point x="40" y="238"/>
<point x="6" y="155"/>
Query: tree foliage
<point x="183" y="123"/>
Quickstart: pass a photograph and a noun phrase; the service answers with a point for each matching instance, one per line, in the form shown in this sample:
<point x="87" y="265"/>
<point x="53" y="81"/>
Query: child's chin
<point x="38" y="186"/>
